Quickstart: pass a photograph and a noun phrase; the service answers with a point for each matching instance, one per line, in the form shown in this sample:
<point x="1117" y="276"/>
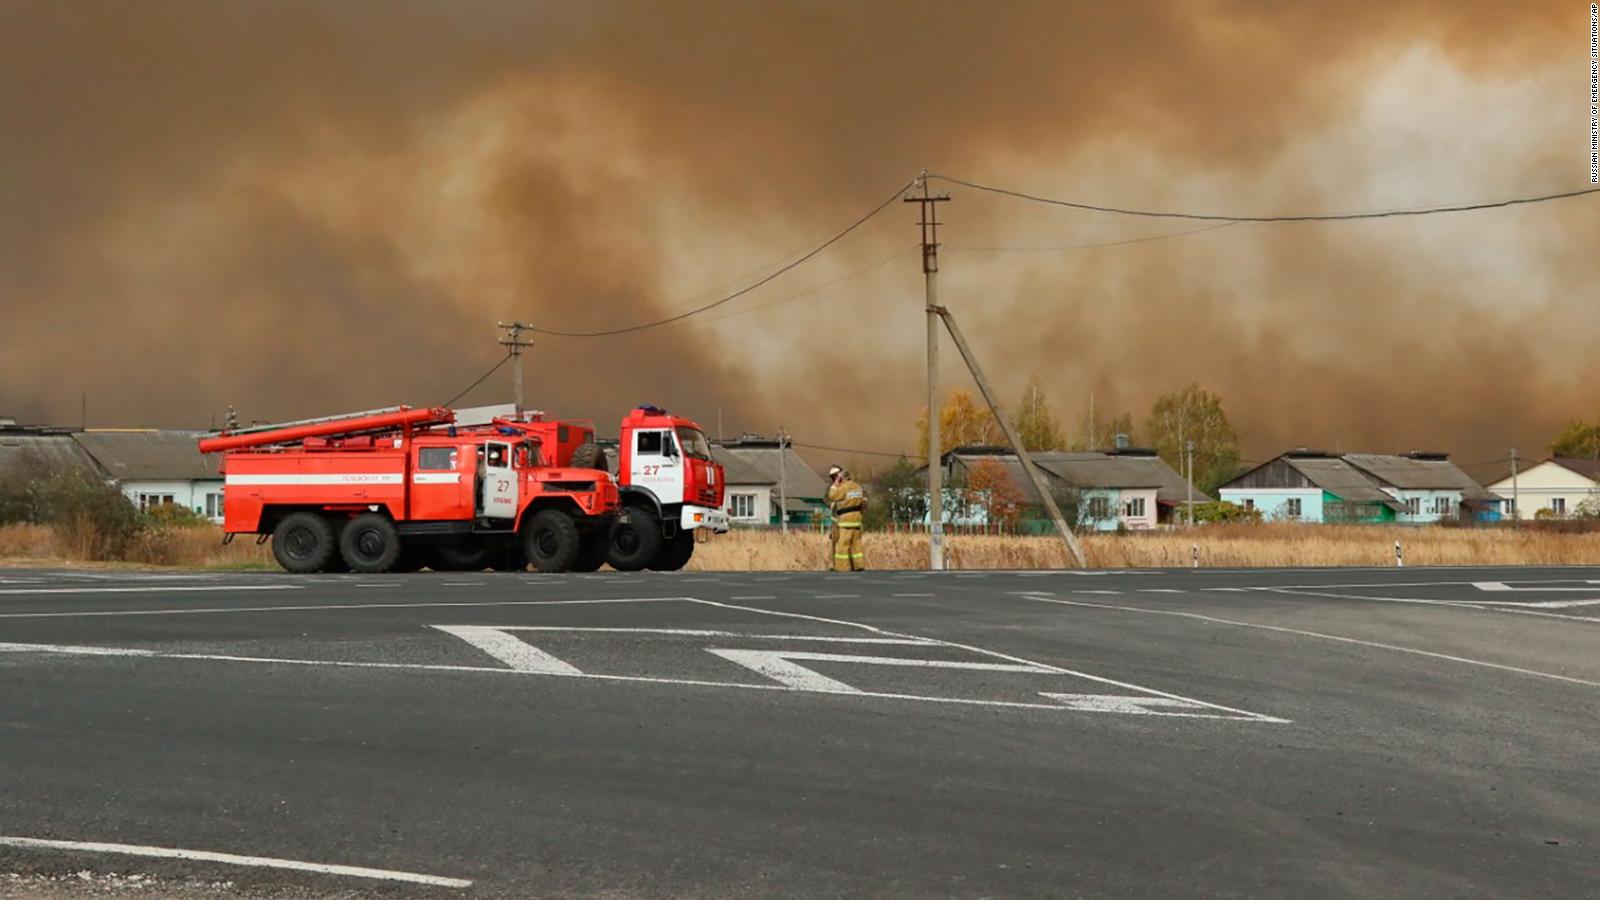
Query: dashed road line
<point x="836" y="596"/>
<point x="163" y="589"/>
<point x="220" y="610"/>
<point x="896" y="595"/>
<point x="754" y="597"/>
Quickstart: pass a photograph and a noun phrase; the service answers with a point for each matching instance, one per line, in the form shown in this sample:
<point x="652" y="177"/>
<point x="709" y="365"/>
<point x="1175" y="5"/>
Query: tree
<point x="1577" y="439"/>
<point x="1036" y="428"/>
<point x="989" y="487"/>
<point x="961" y="422"/>
<point x="1101" y="435"/>
<point x="1195" y="414"/>
<point x="899" y="494"/>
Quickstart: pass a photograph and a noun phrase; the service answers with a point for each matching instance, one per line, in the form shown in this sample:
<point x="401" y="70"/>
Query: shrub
<point x="1223" y="511"/>
<point x="91" y="517"/>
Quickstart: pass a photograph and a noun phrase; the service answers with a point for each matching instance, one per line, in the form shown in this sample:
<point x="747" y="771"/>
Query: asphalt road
<point x="1307" y="733"/>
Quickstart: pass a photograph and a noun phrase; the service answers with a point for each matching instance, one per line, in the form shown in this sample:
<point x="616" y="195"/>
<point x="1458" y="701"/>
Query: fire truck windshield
<point x="694" y="443"/>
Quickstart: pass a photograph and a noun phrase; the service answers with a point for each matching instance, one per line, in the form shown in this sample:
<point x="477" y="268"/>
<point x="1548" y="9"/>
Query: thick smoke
<point x="302" y="208"/>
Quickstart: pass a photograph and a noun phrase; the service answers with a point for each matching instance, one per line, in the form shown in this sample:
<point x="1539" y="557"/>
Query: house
<point x="30" y="450"/>
<point x="1316" y="486"/>
<point x="1132" y="489"/>
<point x="767" y="484"/>
<point x="157" y="468"/>
<point x="1559" y="484"/>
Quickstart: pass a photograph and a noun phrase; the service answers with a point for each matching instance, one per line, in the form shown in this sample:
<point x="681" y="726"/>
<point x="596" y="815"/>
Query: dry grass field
<point x="1220" y="546"/>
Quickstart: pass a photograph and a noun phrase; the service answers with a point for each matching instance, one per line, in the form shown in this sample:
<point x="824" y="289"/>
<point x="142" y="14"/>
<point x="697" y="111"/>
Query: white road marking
<point x="896" y="595"/>
<point x="463" y="584"/>
<point x="1326" y="637"/>
<point x="755" y="597"/>
<point x="1540" y="604"/>
<point x="1498" y="586"/>
<point x="516" y="653"/>
<point x="835" y="596"/>
<point x="1096" y="592"/>
<point x="1122" y="703"/>
<point x="779" y="665"/>
<point x="152" y="589"/>
<point x="220" y="610"/>
<point x="1161" y="591"/>
<point x="709" y="632"/>
<point x="1231" y="590"/>
<point x="379" y="584"/>
<point x="1259" y="717"/>
<point x="232" y="859"/>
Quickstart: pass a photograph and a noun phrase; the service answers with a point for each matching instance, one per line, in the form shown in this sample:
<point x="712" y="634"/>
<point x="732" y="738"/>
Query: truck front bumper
<point x="703" y="517"/>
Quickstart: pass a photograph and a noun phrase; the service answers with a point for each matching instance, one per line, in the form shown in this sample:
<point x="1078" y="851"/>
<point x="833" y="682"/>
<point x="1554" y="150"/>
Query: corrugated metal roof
<point x="149" y="455"/>
<point x="1340" y="479"/>
<point x="1407" y="473"/>
<point x="21" y="453"/>
<point x="758" y="464"/>
<point x="1087" y="469"/>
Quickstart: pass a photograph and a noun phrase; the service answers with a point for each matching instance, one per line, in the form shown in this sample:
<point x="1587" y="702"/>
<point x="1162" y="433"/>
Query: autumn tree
<point x="1195" y="414"/>
<point x="1577" y="439"/>
<point x="900" y="493"/>
<point x="1101" y="434"/>
<point x="989" y="487"/>
<point x="1036" y="427"/>
<point x="962" y="421"/>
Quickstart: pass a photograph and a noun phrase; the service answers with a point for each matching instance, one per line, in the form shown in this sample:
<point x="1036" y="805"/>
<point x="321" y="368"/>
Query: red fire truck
<point x="398" y="489"/>
<point x="403" y="488"/>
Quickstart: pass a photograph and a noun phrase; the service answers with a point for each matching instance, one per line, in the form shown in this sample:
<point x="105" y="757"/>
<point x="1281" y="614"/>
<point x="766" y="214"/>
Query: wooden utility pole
<point x="1516" y="506"/>
<point x="783" y="481"/>
<point x="929" y="222"/>
<point x="1067" y="537"/>
<point x="513" y="343"/>
<point x="1189" y="451"/>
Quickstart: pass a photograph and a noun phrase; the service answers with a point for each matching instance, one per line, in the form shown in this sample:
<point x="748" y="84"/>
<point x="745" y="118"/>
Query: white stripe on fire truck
<point x="300" y="478"/>
<point x="436" y="478"/>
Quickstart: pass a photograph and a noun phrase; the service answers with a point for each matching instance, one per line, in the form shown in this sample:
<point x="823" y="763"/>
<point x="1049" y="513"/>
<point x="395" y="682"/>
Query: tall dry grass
<point x="1240" y="545"/>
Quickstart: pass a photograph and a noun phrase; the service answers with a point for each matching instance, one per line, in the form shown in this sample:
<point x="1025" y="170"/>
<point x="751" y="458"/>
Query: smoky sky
<point x="300" y="208"/>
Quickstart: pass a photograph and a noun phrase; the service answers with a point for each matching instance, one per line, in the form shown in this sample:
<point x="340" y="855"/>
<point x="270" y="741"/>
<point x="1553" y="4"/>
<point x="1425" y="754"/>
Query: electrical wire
<point x="1138" y="240"/>
<point x="856" y="451"/>
<point x="1215" y="217"/>
<point x="481" y="378"/>
<point x="740" y="292"/>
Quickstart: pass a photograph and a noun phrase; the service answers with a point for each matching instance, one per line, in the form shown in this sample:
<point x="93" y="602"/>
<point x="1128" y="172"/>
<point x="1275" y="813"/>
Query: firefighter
<point x="846" y="499"/>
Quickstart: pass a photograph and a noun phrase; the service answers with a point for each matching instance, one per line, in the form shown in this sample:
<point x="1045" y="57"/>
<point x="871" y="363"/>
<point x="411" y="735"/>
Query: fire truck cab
<point x="670" y="487"/>
<point x="399" y="489"/>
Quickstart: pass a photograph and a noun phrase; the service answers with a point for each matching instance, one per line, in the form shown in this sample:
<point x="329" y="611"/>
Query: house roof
<point x="21" y="452"/>
<point x="1588" y="468"/>
<point x="1088" y="469"/>
<point x="149" y="455"/>
<point x="1340" y="479"/>
<point x="1419" y="474"/>
<point x="758" y="463"/>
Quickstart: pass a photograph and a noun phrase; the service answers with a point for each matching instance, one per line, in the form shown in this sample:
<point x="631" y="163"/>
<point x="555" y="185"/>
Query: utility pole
<point x="1189" y="452"/>
<point x="1516" y="507"/>
<point x="512" y="341"/>
<point x="929" y="223"/>
<point x="783" y="480"/>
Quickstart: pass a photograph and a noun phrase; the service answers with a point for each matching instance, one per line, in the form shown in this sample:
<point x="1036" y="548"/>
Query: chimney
<point x="1122" y="442"/>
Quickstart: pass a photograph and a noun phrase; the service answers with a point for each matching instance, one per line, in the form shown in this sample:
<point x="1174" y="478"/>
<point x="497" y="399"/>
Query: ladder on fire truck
<point x="372" y="421"/>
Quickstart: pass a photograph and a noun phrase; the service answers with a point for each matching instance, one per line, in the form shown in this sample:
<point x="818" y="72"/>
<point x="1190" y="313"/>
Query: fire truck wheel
<point x="590" y="456"/>
<point x="635" y="540"/>
<point x="551" y="541"/>
<point x="675" y="553"/>
<point x="592" y="551"/>
<point x="303" y="542"/>
<point x="370" y="543"/>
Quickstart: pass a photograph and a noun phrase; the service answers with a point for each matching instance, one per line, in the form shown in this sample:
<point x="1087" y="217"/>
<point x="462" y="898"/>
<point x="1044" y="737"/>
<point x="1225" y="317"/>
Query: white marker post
<point x="1194" y="556"/>
<point x="1399" y="557"/>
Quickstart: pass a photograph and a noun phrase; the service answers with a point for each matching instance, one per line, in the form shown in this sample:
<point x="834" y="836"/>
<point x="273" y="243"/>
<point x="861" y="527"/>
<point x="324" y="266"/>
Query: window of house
<point x="214" y="505"/>
<point x="1134" y="508"/>
<point x="650" y="442"/>
<point x="1099" y="507"/>
<point x="1249" y="503"/>
<point x="436" y="459"/>
<point x="1558" y="505"/>
<point x="742" y="506"/>
<point x="1441" y="506"/>
<point x="148" y="502"/>
<point x="1413" y="506"/>
<point x="1292" y="507"/>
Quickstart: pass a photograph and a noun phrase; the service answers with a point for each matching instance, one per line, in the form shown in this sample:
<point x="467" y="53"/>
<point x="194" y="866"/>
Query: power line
<point x="1138" y="240"/>
<point x="740" y="292"/>
<point x="481" y="378"/>
<point x="1217" y="217"/>
<point x="857" y="451"/>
